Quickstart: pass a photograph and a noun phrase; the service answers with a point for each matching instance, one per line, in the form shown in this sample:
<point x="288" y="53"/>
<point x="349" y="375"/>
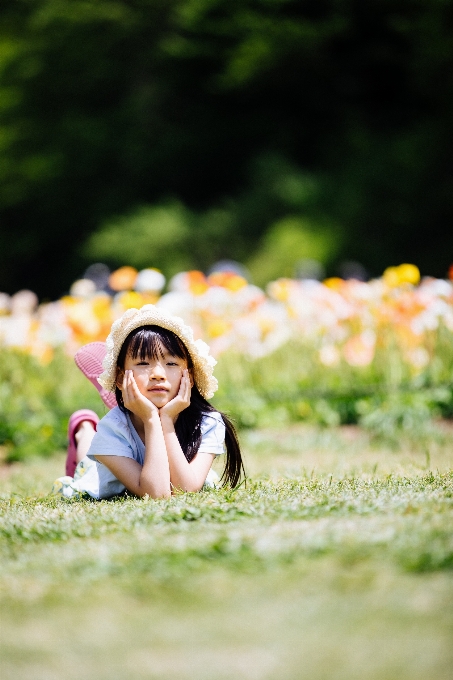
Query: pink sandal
<point x="75" y="421"/>
<point x="89" y="359"/>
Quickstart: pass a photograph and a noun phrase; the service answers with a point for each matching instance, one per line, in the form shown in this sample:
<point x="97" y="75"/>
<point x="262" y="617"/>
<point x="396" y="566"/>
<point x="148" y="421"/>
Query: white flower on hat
<point x="150" y="315"/>
<point x="203" y="350"/>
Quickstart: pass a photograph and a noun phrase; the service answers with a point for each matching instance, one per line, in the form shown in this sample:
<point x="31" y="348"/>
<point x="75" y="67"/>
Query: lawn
<point x="334" y="562"/>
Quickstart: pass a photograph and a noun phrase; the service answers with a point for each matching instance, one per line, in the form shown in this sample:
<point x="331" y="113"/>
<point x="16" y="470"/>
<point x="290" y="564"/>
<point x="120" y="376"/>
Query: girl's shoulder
<point x="116" y="436"/>
<point x="115" y="421"/>
<point x="114" y="415"/>
<point x="212" y="433"/>
<point x="211" y="419"/>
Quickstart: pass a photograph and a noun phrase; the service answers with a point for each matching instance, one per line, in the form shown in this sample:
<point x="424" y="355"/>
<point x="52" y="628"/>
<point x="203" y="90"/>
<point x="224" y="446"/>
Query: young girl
<point x="164" y="435"/>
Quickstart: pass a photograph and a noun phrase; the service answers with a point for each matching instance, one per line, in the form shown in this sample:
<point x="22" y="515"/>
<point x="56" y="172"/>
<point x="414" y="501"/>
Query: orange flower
<point x="123" y="278"/>
<point x="197" y="282"/>
<point x="359" y="349"/>
<point x="228" y="280"/>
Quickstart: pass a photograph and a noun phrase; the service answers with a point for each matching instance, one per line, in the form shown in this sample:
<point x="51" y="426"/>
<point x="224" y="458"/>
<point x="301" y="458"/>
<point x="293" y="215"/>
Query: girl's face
<point x="158" y="378"/>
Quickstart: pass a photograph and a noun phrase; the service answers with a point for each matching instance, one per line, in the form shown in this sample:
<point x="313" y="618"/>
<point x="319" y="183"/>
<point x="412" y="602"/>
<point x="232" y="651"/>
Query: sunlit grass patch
<point x="409" y="519"/>
<point x="334" y="561"/>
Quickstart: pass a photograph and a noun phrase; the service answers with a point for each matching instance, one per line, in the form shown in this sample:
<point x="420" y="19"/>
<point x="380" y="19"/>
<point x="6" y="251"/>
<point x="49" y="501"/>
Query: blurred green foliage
<point x="287" y="386"/>
<point x="291" y="385"/>
<point x="154" y="234"/>
<point x="36" y="402"/>
<point x="288" y="242"/>
<point x="237" y="114"/>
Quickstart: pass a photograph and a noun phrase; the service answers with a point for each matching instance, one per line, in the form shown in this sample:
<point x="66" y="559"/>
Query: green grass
<point x="335" y="562"/>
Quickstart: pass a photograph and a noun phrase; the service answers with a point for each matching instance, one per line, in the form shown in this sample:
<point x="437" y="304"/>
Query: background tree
<point x="227" y="117"/>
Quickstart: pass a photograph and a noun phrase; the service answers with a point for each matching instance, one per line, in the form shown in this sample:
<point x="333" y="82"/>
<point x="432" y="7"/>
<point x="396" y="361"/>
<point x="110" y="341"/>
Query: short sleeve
<point x="212" y="434"/>
<point x="112" y="438"/>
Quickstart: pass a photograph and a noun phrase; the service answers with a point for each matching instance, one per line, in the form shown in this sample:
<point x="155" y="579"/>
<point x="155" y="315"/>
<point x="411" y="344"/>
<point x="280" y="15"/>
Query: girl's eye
<point x="171" y="363"/>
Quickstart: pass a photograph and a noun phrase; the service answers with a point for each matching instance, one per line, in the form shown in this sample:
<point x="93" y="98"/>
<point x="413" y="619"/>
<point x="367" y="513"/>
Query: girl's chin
<point x="159" y="400"/>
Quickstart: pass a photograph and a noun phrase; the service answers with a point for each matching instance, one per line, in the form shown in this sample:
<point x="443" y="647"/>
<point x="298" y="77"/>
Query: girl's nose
<point x="157" y="371"/>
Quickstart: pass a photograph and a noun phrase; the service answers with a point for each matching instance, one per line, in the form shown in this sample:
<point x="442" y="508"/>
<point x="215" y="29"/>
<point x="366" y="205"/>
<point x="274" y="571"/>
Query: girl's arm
<point x="154" y="477"/>
<point x="184" y="476"/>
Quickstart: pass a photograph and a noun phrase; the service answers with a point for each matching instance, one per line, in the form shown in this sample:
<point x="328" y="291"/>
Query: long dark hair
<point x="147" y="341"/>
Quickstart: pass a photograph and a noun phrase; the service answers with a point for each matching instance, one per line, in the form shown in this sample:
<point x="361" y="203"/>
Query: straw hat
<point x="150" y="315"/>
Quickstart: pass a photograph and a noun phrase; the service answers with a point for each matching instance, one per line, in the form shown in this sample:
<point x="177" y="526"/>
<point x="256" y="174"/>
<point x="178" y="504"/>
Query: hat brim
<point x="150" y="315"/>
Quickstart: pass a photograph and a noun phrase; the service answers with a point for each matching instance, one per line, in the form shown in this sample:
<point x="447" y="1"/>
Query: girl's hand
<point x="134" y="400"/>
<point x="180" y="402"/>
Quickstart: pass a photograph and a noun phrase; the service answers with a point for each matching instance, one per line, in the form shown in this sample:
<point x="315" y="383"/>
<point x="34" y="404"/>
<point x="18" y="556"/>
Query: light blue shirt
<point x="116" y="436"/>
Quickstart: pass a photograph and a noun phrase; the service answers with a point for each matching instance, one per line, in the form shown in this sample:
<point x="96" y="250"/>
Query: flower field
<point x="344" y="320"/>
<point x="338" y="351"/>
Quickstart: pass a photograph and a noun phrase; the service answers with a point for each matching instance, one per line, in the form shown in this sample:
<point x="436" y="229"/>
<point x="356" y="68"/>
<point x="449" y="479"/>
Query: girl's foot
<point x="85" y="480"/>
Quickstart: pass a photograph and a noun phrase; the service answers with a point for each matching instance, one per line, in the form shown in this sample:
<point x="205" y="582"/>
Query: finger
<point x="186" y="394"/>
<point x="131" y="388"/>
<point x="182" y="385"/>
<point x="124" y="386"/>
<point x="188" y="386"/>
<point x="131" y="379"/>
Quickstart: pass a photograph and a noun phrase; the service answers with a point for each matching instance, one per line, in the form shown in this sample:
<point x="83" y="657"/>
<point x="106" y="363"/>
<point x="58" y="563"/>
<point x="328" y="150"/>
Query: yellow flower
<point x="101" y="306"/>
<point x="280" y="289"/>
<point x="398" y="276"/>
<point x="131" y="299"/>
<point x="266" y="326"/>
<point x="334" y="283"/>
<point x="217" y="328"/>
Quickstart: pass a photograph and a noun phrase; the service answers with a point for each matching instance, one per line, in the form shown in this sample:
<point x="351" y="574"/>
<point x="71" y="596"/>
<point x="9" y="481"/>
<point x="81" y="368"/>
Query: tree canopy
<point x="224" y="118"/>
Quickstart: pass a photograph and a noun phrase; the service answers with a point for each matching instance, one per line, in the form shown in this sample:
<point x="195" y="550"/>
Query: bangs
<point x="148" y="341"/>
